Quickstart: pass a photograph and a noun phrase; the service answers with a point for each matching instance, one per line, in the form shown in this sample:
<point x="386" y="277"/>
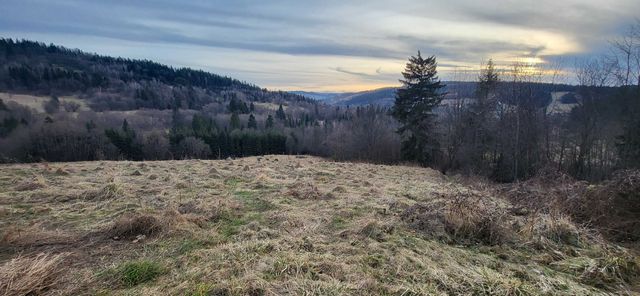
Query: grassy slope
<point x="272" y="225"/>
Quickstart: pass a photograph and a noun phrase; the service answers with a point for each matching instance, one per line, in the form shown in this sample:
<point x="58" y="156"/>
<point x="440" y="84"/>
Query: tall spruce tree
<point x="235" y="121"/>
<point x="280" y="113"/>
<point x="480" y="117"/>
<point x="413" y="108"/>
<point x="269" y="123"/>
<point x="252" y="123"/>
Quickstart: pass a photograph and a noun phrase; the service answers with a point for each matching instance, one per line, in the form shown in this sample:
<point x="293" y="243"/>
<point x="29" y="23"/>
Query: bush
<point x="613" y="207"/>
<point x="464" y="219"/>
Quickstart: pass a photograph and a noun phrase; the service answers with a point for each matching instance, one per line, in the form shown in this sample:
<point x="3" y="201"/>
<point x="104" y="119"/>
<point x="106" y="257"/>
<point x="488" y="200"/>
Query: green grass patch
<point x="230" y="226"/>
<point x="133" y="273"/>
<point x="233" y="182"/>
<point x="202" y="290"/>
<point x="188" y="245"/>
<point x="252" y="202"/>
<point x="338" y="223"/>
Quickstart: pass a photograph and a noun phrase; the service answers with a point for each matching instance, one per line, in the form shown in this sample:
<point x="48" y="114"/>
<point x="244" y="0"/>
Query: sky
<point x="324" y="45"/>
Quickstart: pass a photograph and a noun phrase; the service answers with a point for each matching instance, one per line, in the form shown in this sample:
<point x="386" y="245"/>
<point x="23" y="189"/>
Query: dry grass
<point x="34" y="183"/>
<point x="281" y="225"/>
<point x="34" y="275"/>
<point x="132" y="226"/>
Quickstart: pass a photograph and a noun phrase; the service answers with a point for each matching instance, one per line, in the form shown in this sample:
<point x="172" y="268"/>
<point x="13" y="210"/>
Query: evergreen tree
<point x="269" y="122"/>
<point x="414" y="106"/>
<point x="52" y="106"/>
<point x="280" y="113"/>
<point x="124" y="140"/>
<point x="235" y="121"/>
<point x="90" y="125"/>
<point x="252" y="122"/>
<point x="252" y="107"/>
<point x="480" y="118"/>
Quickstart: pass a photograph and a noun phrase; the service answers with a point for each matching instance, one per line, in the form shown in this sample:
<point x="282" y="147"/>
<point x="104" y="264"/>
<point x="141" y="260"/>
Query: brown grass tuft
<point x="307" y="191"/>
<point x="464" y="219"/>
<point x="109" y="191"/>
<point x="134" y="225"/>
<point x="31" y="275"/>
<point x="613" y="207"/>
<point x="34" y="183"/>
<point x="61" y="172"/>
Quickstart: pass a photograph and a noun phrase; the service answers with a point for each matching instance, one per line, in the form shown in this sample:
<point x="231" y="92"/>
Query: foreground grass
<point x="285" y="225"/>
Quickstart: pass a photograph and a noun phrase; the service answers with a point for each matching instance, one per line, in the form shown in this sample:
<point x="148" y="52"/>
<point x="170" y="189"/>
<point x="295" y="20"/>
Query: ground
<point x="278" y="225"/>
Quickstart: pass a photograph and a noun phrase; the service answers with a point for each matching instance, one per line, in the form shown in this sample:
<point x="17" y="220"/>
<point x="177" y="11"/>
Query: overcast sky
<point x="322" y="45"/>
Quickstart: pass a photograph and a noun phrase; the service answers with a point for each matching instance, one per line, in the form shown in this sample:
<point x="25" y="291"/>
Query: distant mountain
<point x="381" y="96"/>
<point x="454" y="89"/>
<point x="318" y="96"/>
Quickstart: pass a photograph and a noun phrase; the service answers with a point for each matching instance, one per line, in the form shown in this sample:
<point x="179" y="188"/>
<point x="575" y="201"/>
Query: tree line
<point x="506" y="129"/>
<point x="507" y="133"/>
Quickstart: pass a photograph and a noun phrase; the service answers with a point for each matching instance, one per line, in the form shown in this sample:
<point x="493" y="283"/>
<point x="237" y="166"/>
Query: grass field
<point x="36" y="102"/>
<point x="285" y="225"/>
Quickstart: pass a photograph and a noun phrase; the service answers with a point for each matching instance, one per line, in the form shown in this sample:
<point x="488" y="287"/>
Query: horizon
<point x="329" y="47"/>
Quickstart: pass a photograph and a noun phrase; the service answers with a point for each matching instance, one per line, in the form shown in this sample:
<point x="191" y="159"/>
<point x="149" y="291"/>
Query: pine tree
<point x="414" y="106"/>
<point x="479" y="117"/>
<point x="235" y="121"/>
<point x="52" y="106"/>
<point x="252" y="122"/>
<point x="269" y="123"/>
<point x="280" y="113"/>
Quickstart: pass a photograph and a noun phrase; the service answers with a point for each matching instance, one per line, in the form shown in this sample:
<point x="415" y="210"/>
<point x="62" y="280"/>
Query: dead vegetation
<point x="37" y="182"/>
<point x="312" y="227"/>
<point x="109" y="191"/>
<point x="34" y="275"/>
<point x="613" y="207"/>
<point x="465" y="219"/>
<point x="133" y="226"/>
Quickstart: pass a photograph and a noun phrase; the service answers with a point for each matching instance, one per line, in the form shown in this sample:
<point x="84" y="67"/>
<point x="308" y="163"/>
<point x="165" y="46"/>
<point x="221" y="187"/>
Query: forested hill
<point x="59" y="104"/>
<point x="116" y="83"/>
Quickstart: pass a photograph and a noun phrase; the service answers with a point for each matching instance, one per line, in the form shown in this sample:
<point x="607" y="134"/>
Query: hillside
<point x="115" y="83"/>
<point x="61" y="104"/>
<point x="278" y="225"/>
<point x="385" y="97"/>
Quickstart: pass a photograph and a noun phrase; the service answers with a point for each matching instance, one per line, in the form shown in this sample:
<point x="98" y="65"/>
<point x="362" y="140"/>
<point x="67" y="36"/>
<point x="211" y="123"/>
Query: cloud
<point x="262" y="37"/>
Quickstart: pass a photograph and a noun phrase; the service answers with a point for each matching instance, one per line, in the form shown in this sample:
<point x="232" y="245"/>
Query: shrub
<point x="463" y="219"/>
<point x="613" y="207"/>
